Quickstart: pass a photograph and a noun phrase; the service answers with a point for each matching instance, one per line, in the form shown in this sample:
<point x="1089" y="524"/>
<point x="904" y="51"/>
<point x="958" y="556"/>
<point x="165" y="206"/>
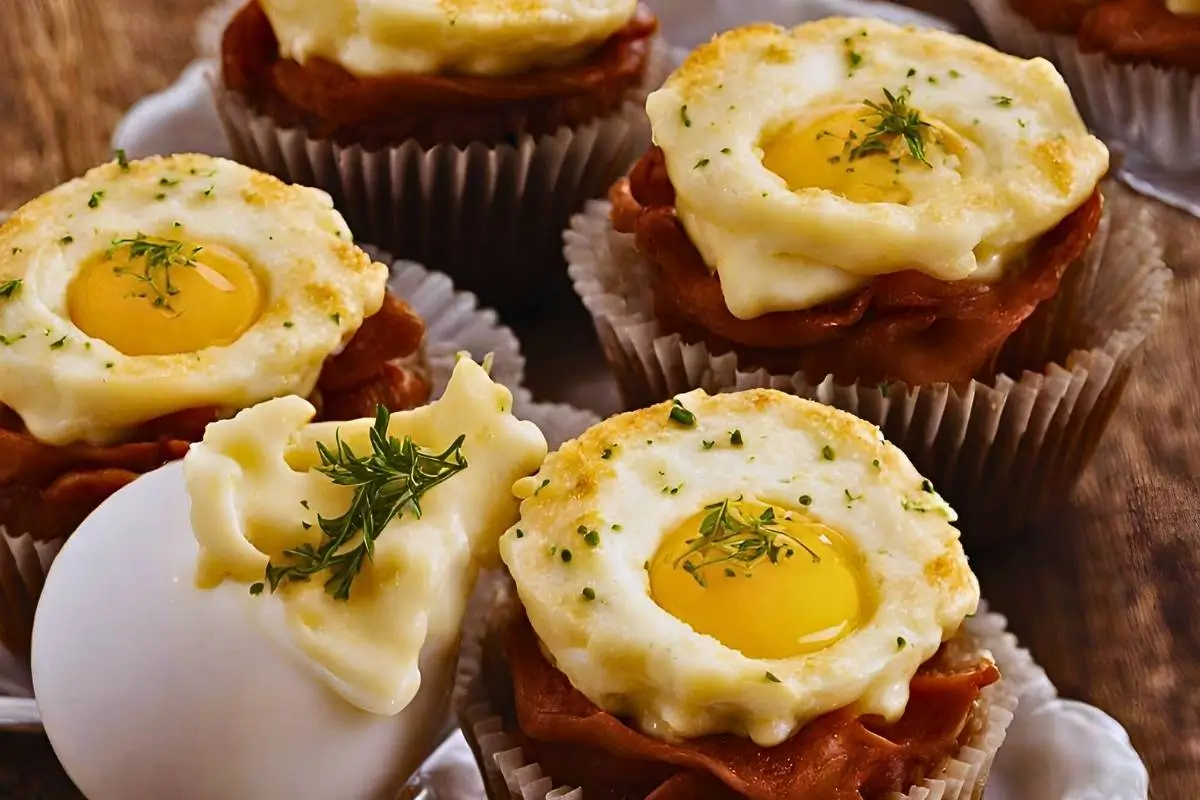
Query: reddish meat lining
<point x="838" y="756"/>
<point x="376" y="112"/>
<point x="904" y="326"/>
<point x="1142" y="31"/>
<point x="47" y="490"/>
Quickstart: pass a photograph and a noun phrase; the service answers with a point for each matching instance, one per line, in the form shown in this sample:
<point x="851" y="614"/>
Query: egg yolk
<point x="845" y="154"/>
<point x="158" y="296"/>
<point x="764" y="581"/>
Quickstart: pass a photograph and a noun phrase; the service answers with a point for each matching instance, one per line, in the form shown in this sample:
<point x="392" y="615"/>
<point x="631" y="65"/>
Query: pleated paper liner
<point x="1150" y="114"/>
<point x="489" y="216"/>
<point x="1000" y="450"/>
<point x="454" y="323"/>
<point x="483" y="685"/>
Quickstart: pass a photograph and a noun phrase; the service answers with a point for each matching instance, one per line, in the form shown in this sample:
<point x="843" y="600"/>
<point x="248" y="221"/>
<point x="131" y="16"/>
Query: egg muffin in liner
<point x="148" y="298"/>
<point x="461" y="135"/>
<point x="738" y="595"/>
<point x="902" y="223"/>
<point x="1134" y="68"/>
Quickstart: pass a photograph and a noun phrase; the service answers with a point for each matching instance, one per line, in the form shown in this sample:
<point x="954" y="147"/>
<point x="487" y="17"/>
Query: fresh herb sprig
<point x="157" y="258"/>
<point x="728" y="535"/>
<point x="388" y="482"/>
<point x="893" y="119"/>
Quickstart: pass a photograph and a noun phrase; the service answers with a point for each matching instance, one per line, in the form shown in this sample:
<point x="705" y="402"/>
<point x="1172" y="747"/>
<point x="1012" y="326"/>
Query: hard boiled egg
<point x="151" y="687"/>
<point x="163" y="666"/>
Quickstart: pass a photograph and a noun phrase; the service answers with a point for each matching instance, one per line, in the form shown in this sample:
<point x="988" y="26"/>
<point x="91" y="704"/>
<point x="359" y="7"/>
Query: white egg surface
<point x="149" y="287"/>
<point x="151" y="685"/>
<point x="805" y="161"/>
<point x="496" y="37"/>
<point x="739" y="563"/>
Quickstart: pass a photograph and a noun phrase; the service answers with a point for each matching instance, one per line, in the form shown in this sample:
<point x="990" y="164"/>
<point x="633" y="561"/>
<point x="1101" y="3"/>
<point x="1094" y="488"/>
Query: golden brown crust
<point x="1142" y="31"/>
<point x="838" y="756"/>
<point x="47" y="491"/>
<point x="904" y="326"/>
<point x="377" y="112"/>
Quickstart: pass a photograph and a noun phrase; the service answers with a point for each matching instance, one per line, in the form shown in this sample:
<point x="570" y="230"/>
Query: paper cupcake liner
<point x="999" y="450"/>
<point x="509" y="774"/>
<point x="489" y="216"/>
<point x="454" y="323"/>
<point x="1150" y="114"/>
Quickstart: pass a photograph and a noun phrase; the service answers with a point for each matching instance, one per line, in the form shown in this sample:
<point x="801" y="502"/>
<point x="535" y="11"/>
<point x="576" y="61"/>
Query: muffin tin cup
<point x="454" y="323"/>
<point x="1000" y="450"/>
<point x="1149" y="114"/>
<point x="509" y="774"/>
<point x="489" y="216"/>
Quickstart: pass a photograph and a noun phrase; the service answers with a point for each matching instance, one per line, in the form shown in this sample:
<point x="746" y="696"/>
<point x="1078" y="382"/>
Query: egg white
<point x="67" y="386"/>
<point x="633" y="659"/>
<point x="151" y="687"/>
<point x="1028" y="159"/>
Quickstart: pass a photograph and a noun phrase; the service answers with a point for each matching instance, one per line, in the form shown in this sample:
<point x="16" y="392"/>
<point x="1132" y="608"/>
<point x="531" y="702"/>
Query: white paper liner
<point x="454" y="323"/>
<point x="510" y="775"/>
<point x="1149" y="113"/>
<point x="1000" y="451"/>
<point x="489" y="216"/>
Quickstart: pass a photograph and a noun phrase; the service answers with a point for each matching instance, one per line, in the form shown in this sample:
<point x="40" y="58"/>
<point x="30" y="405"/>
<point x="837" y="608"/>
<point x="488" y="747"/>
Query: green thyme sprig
<point x="893" y="119"/>
<point x="728" y="536"/>
<point x="157" y="258"/>
<point x="388" y="483"/>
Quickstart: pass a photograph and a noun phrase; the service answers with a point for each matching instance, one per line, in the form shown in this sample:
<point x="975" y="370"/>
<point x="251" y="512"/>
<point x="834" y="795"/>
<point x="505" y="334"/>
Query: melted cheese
<point x="253" y="492"/>
<point x="476" y="37"/>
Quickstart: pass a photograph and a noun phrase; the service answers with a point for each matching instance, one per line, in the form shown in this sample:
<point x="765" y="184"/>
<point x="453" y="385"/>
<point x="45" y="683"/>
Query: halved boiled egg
<point x="184" y="647"/>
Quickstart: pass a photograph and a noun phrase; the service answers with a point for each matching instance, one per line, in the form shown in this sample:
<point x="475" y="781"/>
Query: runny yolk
<point x="813" y="594"/>
<point x="152" y="296"/>
<point x="830" y="154"/>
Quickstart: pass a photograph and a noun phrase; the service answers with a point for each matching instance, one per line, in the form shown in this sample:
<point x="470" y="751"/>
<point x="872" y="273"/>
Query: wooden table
<point x="1106" y="595"/>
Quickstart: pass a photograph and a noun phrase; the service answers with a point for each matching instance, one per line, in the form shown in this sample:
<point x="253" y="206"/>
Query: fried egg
<point x="475" y="37"/>
<point x="806" y="161"/>
<point x="739" y="563"/>
<point x="149" y="287"/>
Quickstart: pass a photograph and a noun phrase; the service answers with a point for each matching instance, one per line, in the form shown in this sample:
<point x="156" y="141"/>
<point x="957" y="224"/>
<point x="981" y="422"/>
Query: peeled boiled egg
<point x="150" y="687"/>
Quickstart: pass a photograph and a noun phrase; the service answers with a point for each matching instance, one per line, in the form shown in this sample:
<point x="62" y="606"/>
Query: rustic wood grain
<point x="1106" y="595"/>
